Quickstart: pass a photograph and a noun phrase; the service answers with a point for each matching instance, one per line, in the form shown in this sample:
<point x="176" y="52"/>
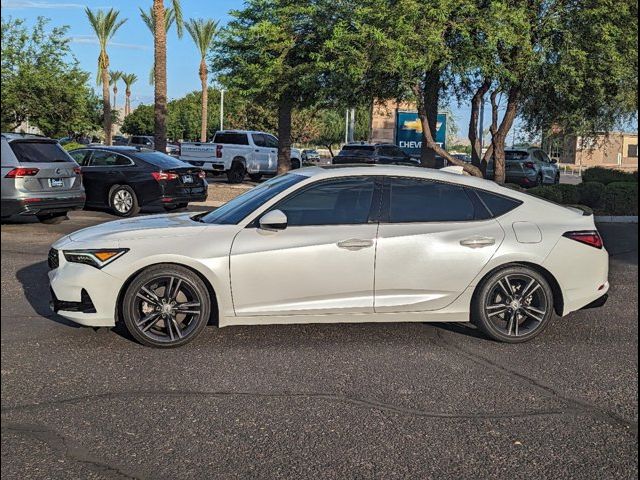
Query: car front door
<point x="433" y="240"/>
<point x="321" y="263"/>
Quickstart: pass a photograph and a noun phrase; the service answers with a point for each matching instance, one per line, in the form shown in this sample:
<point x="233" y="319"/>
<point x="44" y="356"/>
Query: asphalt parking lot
<point x="318" y="401"/>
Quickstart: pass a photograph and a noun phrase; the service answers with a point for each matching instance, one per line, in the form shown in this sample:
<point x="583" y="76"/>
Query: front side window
<point x="259" y="140"/>
<point x="272" y="142"/>
<point x="343" y="201"/>
<point x="414" y="200"/>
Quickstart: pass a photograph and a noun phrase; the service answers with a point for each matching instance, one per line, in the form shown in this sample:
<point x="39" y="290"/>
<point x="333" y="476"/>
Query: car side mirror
<point x="274" y="220"/>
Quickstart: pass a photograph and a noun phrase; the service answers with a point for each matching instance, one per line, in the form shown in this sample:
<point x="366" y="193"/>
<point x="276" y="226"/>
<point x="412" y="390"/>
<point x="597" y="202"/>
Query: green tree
<point x="139" y="121"/>
<point x="105" y="24"/>
<point x="203" y="32"/>
<point x="41" y="81"/>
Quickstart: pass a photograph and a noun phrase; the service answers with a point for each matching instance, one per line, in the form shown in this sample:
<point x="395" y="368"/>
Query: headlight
<point x="95" y="258"/>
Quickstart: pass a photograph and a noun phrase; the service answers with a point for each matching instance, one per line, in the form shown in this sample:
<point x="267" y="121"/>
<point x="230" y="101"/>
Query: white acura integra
<point x="338" y="244"/>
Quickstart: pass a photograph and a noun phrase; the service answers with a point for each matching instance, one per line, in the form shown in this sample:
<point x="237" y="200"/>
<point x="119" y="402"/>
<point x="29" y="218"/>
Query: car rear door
<point x="321" y="263"/>
<point x="53" y="172"/>
<point x="260" y="159"/>
<point x="434" y="239"/>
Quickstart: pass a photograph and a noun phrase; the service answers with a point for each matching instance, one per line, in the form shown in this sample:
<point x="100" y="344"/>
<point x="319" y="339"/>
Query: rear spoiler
<point x="582" y="209"/>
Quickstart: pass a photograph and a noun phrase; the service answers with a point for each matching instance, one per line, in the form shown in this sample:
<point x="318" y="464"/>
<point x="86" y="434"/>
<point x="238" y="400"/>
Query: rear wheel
<point x="123" y="201"/>
<point x="295" y="164"/>
<point x="166" y="306"/>
<point x="236" y="173"/>
<point x="513" y="305"/>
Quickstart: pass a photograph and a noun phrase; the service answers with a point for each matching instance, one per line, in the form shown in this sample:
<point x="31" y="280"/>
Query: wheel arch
<point x="239" y="159"/>
<point x="212" y="293"/>
<point x="558" y="297"/>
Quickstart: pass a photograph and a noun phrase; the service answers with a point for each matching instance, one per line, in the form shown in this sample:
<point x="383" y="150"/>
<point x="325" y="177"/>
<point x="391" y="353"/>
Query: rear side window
<point x="414" y="200"/>
<point x="497" y="204"/>
<point x="81" y="156"/>
<point x="231" y="138"/>
<point x="516" y="155"/>
<point x="39" y="152"/>
<point x="108" y="159"/>
<point x="345" y="201"/>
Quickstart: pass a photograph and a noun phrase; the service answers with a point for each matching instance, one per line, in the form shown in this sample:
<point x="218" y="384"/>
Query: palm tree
<point x="149" y="21"/>
<point x="128" y="79"/>
<point x="114" y="76"/>
<point x="105" y="24"/>
<point x="160" y="66"/>
<point x="203" y="32"/>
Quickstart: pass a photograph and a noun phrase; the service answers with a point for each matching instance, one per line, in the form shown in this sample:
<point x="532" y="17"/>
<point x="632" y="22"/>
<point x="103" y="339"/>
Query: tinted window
<point x="344" y="201"/>
<point x="161" y="160"/>
<point x="80" y="156"/>
<point x="141" y="141"/>
<point x="414" y="200"/>
<point x="259" y="140"/>
<point x="272" y="142"/>
<point x="237" y="209"/>
<point x="108" y="159"/>
<point x="357" y="151"/>
<point x="231" y="138"/>
<point x="539" y="157"/>
<point x="516" y="155"/>
<point x="497" y="204"/>
<point x="39" y="152"/>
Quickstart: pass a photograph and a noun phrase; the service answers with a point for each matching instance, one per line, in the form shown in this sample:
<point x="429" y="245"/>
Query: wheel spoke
<point x="148" y="296"/>
<point x="512" y="317"/>
<point x="187" y="305"/>
<point x="497" y="312"/>
<point x="528" y="312"/>
<point x="508" y="282"/>
<point x="506" y="290"/>
<point x="177" y="327"/>
<point x="497" y="305"/>
<point x="525" y="292"/>
<point x="150" y="320"/>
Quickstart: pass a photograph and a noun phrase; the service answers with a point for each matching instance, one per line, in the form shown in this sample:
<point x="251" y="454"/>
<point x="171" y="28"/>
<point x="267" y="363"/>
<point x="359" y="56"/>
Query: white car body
<point x="259" y="155"/>
<point x="372" y="272"/>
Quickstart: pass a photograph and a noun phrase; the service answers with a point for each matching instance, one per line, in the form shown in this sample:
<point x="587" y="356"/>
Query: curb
<point x="616" y="219"/>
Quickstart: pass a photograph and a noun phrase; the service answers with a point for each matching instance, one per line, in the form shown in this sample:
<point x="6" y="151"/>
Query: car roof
<point x="23" y="136"/>
<point x="335" y="171"/>
<point x="116" y="148"/>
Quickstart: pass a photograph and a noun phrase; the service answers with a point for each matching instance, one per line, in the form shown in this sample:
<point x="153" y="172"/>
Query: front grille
<point x="53" y="259"/>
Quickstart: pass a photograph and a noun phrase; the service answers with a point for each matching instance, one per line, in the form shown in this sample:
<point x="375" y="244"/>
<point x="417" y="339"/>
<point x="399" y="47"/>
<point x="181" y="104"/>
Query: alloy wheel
<point x="517" y="305"/>
<point x="167" y="309"/>
<point x="122" y="201"/>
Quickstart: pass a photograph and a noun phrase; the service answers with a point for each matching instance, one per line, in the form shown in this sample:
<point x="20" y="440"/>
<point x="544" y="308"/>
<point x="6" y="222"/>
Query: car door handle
<point x="355" y="244"/>
<point x="478" y="242"/>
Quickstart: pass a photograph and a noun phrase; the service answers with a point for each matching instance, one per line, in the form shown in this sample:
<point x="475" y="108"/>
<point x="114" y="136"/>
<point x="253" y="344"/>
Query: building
<point x="615" y="150"/>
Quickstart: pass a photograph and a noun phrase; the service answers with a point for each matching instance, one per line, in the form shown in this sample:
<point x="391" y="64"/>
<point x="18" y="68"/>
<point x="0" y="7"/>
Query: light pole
<point x="222" y="109"/>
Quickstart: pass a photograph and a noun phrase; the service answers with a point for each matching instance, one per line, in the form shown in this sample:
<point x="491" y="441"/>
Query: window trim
<point x="374" y="210"/>
<point x="386" y="202"/>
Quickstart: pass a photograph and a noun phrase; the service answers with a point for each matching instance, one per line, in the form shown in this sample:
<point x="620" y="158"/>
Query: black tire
<point x="151" y="317"/>
<point x="123" y="201"/>
<point x="255" y="177"/>
<point x="236" y="173"/>
<point x="295" y="164"/>
<point x="513" y="305"/>
<point x="52" y="218"/>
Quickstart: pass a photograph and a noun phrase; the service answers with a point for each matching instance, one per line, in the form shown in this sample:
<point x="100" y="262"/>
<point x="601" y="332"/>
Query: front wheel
<point x="166" y="306"/>
<point x="513" y="305"/>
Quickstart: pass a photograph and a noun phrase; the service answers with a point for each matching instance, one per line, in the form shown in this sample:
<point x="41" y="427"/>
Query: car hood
<point x="154" y="226"/>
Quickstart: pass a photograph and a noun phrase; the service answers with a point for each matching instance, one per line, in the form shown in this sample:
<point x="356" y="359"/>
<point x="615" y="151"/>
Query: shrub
<point x="592" y="194"/>
<point x="621" y="198"/>
<point x="551" y="193"/>
<point x="608" y="175"/>
<point x="570" y="194"/>
<point x="514" y="186"/>
<point x="72" y="146"/>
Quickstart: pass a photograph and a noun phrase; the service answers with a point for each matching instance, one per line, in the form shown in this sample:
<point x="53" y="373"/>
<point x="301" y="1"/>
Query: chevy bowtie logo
<point x="416" y="125"/>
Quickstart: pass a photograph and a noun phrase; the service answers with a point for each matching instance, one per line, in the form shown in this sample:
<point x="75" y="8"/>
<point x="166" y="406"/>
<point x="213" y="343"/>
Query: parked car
<point x="147" y="141"/>
<point x="379" y="153"/>
<point x="338" y="245"/>
<point x="311" y="156"/>
<point x="528" y="167"/>
<point x="238" y="153"/>
<point x="39" y="178"/>
<point x="125" y="179"/>
<point x="119" y="140"/>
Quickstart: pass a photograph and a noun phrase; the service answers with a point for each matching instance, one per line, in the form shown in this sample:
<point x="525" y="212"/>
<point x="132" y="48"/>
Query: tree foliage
<point x="41" y="81"/>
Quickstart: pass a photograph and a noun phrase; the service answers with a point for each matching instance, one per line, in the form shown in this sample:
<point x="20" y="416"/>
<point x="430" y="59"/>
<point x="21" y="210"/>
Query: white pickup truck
<point x="237" y="153"/>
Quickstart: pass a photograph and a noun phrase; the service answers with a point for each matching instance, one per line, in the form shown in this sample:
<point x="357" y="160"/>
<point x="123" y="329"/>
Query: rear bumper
<point x="600" y="302"/>
<point x="207" y="166"/>
<point x="522" y="179"/>
<point x="41" y="205"/>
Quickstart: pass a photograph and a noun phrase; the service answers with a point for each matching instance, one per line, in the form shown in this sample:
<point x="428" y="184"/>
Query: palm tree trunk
<point x="285" y="108"/>
<point x="160" y="77"/>
<point x="127" y="102"/>
<point x="106" y="104"/>
<point x="205" y="100"/>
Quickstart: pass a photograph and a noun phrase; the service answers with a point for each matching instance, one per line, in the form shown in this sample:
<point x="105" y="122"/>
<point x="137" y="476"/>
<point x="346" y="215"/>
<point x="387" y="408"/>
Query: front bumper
<point x="84" y="294"/>
<point x="41" y="205"/>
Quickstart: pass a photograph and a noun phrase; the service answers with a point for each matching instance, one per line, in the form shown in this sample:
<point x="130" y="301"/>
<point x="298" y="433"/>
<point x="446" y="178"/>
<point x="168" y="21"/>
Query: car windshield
<point x="161" y="160"/>
<point x="237" y="209"/>
<point x="516" y="155"/>
<point x="39" y="152"/>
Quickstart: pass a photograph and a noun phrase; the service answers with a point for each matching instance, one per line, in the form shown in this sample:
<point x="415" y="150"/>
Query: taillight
<point x="218" y="151"/>
<point x="588" y="237"/>
<point x="158" y="176"/>
<point x="530" y="165"/>
<point x="77" y="170"/>
<point x="202" y="174"/>
<point x="21" y="172"/>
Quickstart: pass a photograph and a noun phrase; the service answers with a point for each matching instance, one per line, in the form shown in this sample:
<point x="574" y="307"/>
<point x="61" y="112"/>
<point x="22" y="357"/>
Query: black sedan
<point x="125" y="179"/>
